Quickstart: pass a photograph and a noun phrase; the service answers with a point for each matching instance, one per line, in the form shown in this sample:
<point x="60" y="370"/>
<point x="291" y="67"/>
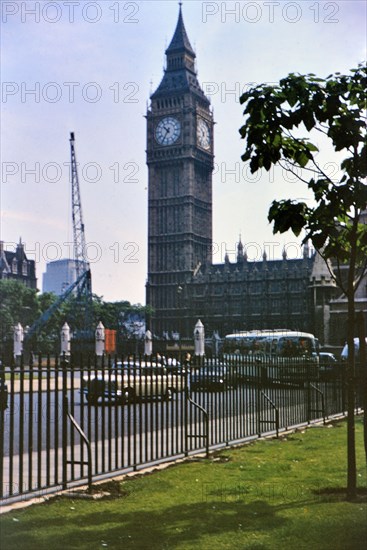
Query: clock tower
<point x="180" y="164"/>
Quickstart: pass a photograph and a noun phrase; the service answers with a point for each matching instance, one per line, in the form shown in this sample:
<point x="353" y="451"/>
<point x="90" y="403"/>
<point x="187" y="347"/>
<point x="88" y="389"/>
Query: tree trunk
<point x="363" y="373"/>
<point x="351" y="452"/>
<point x="351" y="444"/>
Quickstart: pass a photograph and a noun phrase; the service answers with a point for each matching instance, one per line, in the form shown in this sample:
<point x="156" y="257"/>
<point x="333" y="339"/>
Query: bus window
<point x="295" y="347"/>
<point x="286" y="347"/>
<point x="274" y="345"/>
<point x="304" y="346"/>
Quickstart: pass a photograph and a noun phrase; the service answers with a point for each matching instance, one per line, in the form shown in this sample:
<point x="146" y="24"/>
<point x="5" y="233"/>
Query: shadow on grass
<point x="186" y="523"/>
<point x="195" y="525"/>
<point x="339" y="494"/>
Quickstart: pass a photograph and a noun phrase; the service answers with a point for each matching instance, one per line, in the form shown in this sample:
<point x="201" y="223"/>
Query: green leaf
<point x="288" y="215"/>
<point x="301" y="158"/>
<point x="335" y="107"/>
<point x="311" y="146"/>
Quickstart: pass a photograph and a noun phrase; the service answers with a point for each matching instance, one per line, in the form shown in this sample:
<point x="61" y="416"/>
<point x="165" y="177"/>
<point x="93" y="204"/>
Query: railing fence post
<point x="3" y="406"/>
<point x="258" y="397"/>
<point x="186" y="411"/>
<point x="310" y="406"/>
<point x="64" y="364"/>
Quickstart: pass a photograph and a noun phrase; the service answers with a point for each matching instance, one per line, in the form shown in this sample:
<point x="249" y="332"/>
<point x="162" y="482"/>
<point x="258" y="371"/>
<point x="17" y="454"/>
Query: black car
<point x="328" y="365"/>
<point x="216" y="377"/>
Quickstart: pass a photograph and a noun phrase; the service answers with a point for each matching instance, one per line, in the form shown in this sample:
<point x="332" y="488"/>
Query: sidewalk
<point x="45" y="384"/>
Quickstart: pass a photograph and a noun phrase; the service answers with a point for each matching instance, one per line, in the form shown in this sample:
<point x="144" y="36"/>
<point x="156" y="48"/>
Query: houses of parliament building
<point x="183" y="285"/>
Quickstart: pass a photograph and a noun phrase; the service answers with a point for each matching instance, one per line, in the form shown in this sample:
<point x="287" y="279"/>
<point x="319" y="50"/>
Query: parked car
<point x="328" y="365"/>
<point x="127" y="382"/>
<point x="172" y="367"/>
<point x="213" y="377"/>
<point x="176" y="375"/>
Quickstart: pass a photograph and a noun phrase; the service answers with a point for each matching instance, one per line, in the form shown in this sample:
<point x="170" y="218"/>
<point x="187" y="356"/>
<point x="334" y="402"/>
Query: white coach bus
<point x="282" y="353"/>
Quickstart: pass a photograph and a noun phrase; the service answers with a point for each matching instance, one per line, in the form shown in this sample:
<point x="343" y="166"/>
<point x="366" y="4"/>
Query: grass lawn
<point x="274" y="494"/>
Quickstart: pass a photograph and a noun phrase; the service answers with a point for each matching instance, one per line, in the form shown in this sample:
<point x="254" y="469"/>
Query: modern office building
<point x="59" y="275"/>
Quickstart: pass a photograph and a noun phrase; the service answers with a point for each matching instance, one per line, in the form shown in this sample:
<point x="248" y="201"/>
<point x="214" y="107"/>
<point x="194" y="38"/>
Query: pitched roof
<point x="180" y="74"/>
<point x="180" y="40"/>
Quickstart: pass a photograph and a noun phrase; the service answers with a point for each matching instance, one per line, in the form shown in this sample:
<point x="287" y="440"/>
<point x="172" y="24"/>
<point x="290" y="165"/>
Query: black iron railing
<point x="65" y="422"/>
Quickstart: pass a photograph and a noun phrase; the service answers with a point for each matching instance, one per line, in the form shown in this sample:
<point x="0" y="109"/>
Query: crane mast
<point x="81" y="316"/>
<point x="84" y="291"/>
<point x="81" y="263"/>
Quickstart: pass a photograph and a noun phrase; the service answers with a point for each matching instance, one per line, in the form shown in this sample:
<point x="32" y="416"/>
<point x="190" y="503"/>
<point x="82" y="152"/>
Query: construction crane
<point x="81" y="262"/>
<point x="84" y="291"/>
<point x="82" y="286"/>
<point x="82" y="281"/>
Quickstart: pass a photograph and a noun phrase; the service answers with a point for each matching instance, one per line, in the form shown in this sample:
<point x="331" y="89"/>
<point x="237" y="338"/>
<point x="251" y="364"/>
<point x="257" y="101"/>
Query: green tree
<point x="330" y="111"/>
<point x="47" y="339"/>
<point x="18" y="304"/>
<point x="110" y="313"/>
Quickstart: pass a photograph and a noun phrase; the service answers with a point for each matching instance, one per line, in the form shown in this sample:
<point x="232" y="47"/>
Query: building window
<point x="256" y="306"/>
<point x="14" y="266"/>
<point x="256" y="288"/>
<point x="164" y="184"/>
<point x="176" y="182"/>
<point x="25" y="268"/>
<point x="295" y="286"/>
<point x="275" y="286"/>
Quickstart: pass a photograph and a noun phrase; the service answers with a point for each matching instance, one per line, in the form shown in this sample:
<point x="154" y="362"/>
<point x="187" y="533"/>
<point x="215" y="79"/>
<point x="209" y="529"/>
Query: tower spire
<point x="240" y="257"/>
<point x="180" y="73"/>
<point x="180" y="42"/>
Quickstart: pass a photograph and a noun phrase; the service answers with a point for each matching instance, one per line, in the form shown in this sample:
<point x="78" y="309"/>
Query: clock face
<point x="167" y="131"/>
<point x="203" y="134"/>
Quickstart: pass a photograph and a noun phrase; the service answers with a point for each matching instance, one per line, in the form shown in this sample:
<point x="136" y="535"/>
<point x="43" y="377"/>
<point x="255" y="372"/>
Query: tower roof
<point x="180" y="40"/>
<point x="180" y="73"/>
<point x="321" y="271"/>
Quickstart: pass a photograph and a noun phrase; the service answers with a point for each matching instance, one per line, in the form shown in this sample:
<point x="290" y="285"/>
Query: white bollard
<point x="18" y="338"/>
<point x="65" y="340"/>
<point x="199" y="338"/>
<point x="148" y="343"/>
<point x="100" y="340"/>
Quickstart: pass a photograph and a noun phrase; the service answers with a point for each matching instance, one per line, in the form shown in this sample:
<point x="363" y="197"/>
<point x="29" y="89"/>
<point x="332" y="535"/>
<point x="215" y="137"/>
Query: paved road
<point x="235" y="410"/>
<point x="125" y="436"/>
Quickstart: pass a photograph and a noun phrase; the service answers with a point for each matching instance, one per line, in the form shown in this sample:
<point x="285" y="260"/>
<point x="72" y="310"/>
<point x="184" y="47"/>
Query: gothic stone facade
<point x="250" y="295"/>
<point x="180" y="165"/>
<point x="183" y="285"/>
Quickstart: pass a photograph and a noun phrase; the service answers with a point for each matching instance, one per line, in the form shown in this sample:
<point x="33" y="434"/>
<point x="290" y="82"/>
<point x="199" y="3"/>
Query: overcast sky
<point x="90" y="67"/>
